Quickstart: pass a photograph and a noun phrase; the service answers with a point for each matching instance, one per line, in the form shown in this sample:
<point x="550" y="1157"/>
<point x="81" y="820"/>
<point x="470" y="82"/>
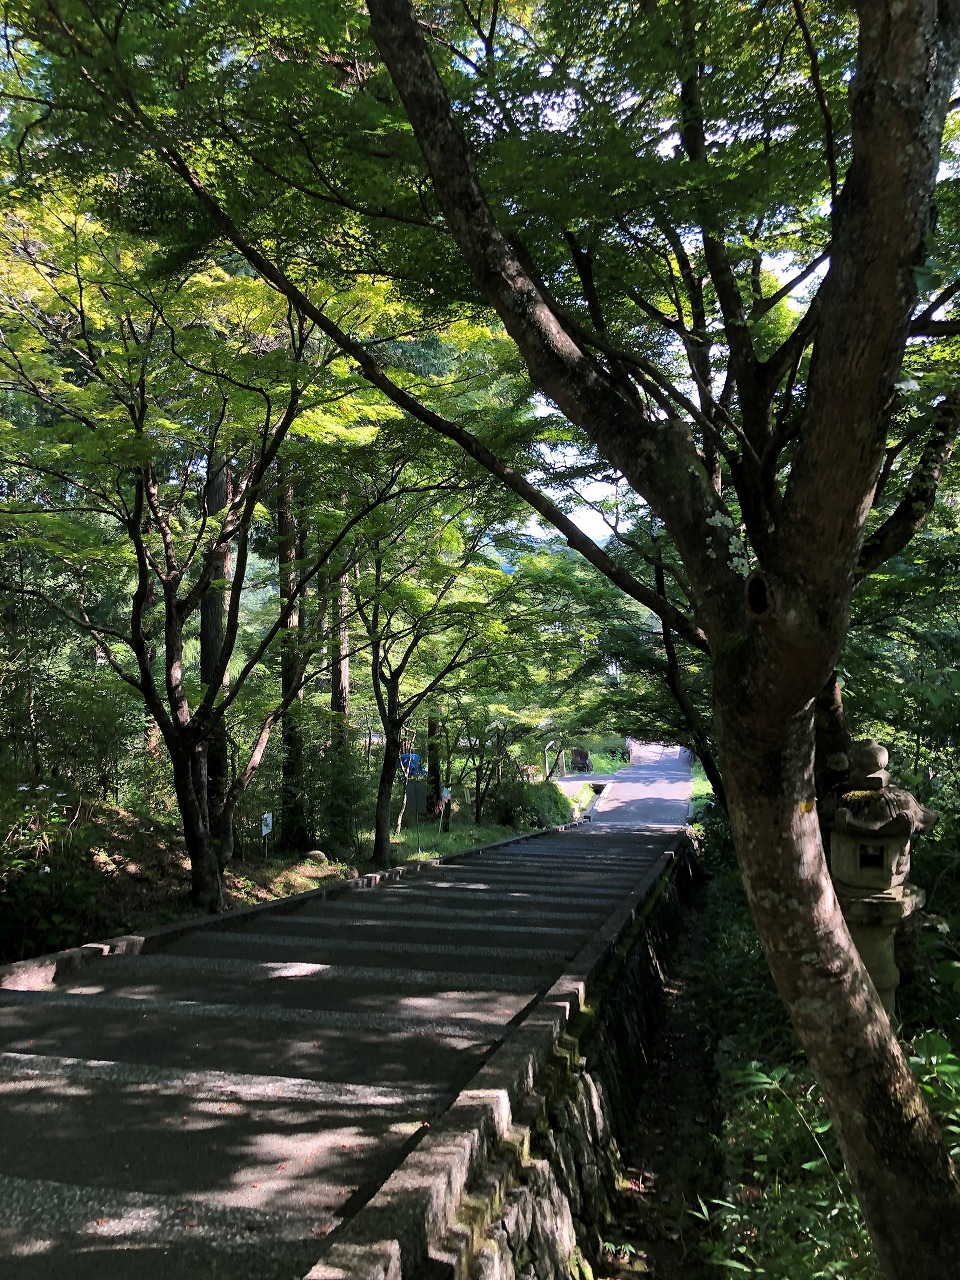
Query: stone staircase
<point x="217" y="1104"/>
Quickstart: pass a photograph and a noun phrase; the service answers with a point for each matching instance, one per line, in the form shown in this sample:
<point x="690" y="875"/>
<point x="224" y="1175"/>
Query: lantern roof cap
<point x="887" y="811"/>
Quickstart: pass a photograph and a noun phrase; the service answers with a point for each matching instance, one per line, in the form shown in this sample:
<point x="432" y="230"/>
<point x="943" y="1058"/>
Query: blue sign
<point x="411" y="765"/>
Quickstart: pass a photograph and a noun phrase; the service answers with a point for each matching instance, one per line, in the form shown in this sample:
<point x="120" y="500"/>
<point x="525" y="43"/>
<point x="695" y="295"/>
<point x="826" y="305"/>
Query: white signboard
<point x="266" y="824"/>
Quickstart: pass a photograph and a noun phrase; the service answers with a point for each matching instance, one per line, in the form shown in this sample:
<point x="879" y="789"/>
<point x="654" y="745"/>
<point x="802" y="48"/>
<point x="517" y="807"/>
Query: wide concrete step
<point x="412" y="942"/>
<point x="303" y="992"/>
<point x="440" y="927"/>
<point x="284" y="1017"/>
<point x="534" y="875"/>
<point x="217" y="1138"/>
<point x="555" y="899"/>
<point x="197" y="1041"/>
<point x="199" y="950"/>
<point x="516" y="968"/>
<point x="473" y="912"/>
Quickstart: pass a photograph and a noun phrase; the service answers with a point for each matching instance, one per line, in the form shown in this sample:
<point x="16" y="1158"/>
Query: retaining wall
<point x="517" y="1180"/>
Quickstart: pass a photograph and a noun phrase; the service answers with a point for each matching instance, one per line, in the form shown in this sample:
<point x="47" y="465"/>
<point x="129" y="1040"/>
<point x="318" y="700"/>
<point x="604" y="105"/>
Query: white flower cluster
<point x="737" y="557"/>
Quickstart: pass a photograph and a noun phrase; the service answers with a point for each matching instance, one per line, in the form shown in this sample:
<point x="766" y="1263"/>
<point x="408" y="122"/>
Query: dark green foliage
<point x="341" y="799"/>
<point x="47" y="886"/>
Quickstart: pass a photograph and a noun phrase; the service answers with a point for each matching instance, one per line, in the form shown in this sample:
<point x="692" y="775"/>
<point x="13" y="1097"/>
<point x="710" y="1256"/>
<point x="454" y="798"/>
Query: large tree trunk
<point x="902" y="1176"/>
<point x="295" y="833"/>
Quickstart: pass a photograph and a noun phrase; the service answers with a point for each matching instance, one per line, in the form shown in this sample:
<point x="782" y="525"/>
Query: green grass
<point x="604" y="762"/>
<point x="254" y="881"/>
<point x="702" y="796"/>
<point x="583" y="800"/>
<point x="432" y="844"/>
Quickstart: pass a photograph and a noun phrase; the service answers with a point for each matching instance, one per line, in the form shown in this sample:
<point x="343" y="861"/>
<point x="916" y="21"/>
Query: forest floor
<point x="150" y="884"/>
<point x="74" y="871"/>
<point x="146" y="874"/>
<point x="671" y="1157"/>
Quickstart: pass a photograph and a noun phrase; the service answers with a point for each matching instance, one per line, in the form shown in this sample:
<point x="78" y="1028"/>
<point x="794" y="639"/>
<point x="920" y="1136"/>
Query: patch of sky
<point x="786" y="267"/>
<point x="588" y="490"/>
<point x="559" y="110"/>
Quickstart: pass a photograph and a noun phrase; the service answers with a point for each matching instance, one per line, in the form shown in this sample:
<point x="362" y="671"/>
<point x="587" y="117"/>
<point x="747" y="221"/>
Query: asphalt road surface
<point x="653" y="791"/>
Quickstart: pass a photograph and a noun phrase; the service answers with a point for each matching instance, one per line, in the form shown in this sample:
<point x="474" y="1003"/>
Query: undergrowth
<point x="47" y="876"/>
<point x="432" y="843"/>
<point x="787" y="1210"/>
<point x="608" y="761"/>
<point x="702" y="795"/>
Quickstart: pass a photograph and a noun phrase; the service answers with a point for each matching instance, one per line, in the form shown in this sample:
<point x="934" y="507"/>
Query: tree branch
<point x="921" y="493"/>
<point x="820" y="95"/>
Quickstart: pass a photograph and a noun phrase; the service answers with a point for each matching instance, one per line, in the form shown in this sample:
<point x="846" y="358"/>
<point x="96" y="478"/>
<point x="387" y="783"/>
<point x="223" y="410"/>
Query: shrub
<point x="528" y="804"/>
<point x="46" y="886"/>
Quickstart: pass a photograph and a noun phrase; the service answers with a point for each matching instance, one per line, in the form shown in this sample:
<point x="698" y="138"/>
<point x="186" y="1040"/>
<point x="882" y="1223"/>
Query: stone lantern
<point x="870" y="861"/>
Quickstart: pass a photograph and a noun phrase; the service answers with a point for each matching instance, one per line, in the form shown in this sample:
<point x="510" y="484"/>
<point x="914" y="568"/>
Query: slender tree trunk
<point x="294" y="828"/>
<point x="434" y="778"/>
<point x="701" y="743"/>
<point x="340" y="662"/>
<point x="26" y="662"/>
<point x="388" y="772"/>
<point x="213" y="609"/>
<point x="405" y="775"/>
<point x="903" y="1178"/>
<point x="152" y="748"/>
<point x="447" y="778"/>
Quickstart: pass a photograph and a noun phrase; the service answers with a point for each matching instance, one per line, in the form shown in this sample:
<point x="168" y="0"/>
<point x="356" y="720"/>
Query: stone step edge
<point x="43" y="971"/>
<point x="391" y="1236"/>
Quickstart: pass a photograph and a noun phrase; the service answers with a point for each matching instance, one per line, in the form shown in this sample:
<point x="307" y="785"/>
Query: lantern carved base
<point x="873" y="920"/>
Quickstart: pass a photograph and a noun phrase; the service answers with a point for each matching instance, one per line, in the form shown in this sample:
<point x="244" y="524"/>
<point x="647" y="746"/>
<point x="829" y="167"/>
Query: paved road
<point x="218" y="1106"/>
<point x="653" y="791"/>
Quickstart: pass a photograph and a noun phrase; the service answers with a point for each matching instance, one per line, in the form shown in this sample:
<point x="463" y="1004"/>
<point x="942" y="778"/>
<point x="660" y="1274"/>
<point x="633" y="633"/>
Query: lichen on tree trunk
<point x="893" y="1149"/>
